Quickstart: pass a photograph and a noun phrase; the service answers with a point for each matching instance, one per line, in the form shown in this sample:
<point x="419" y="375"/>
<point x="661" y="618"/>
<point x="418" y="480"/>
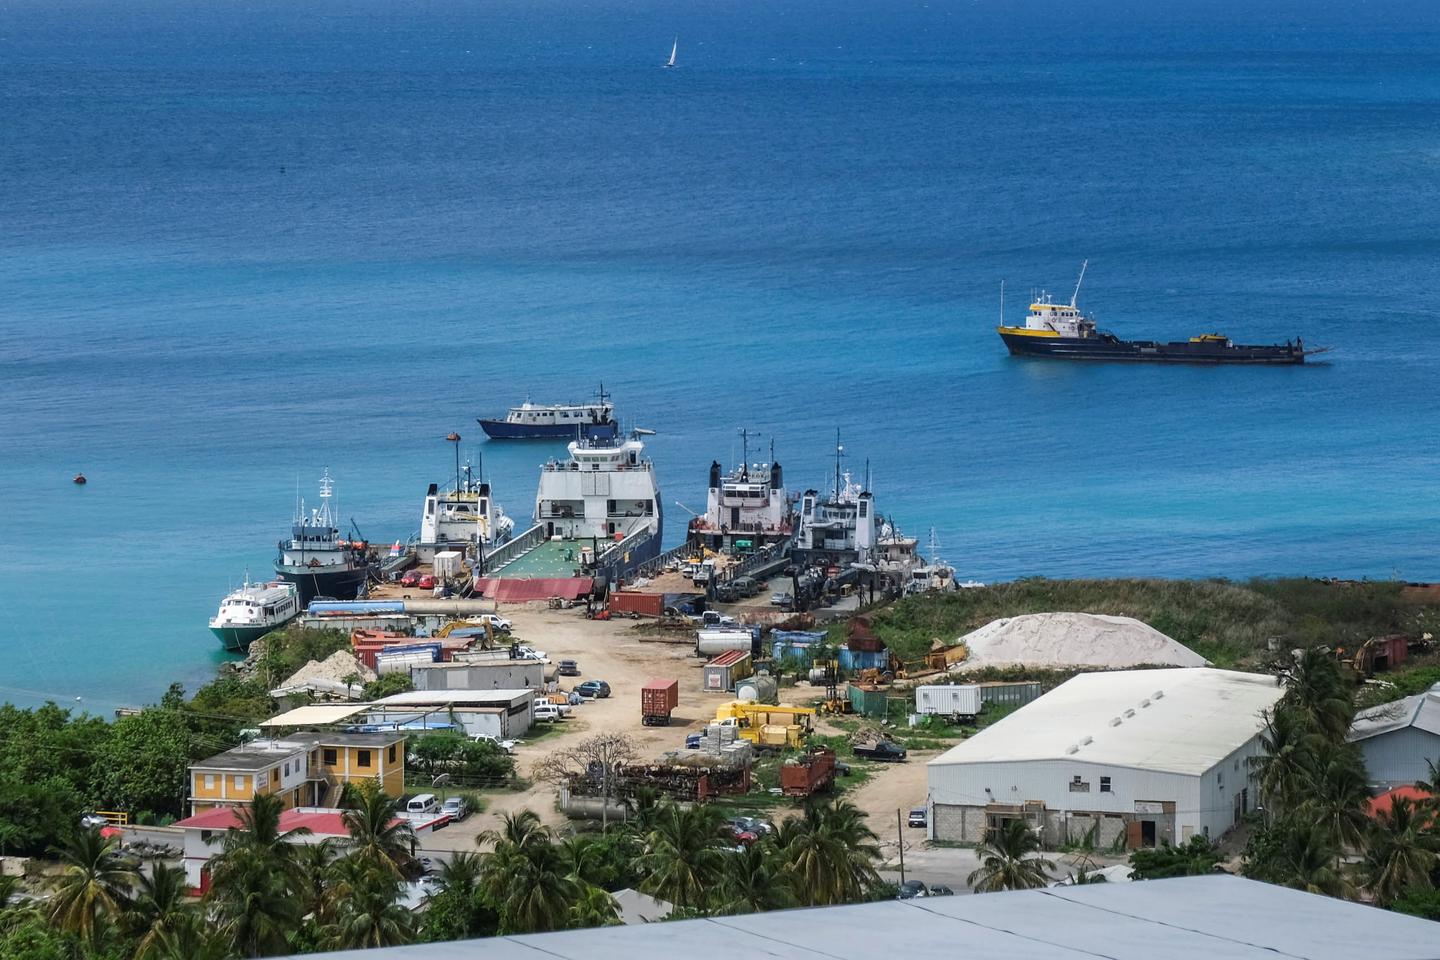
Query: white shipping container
<point x="948" y="700"/>
<point x="400" y="662"/>
<point x="447" y="564"/>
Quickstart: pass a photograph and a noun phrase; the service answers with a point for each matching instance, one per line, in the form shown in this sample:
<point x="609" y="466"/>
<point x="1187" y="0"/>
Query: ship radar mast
<point x="327" y="487"/>
<point x="1076" y="295"/>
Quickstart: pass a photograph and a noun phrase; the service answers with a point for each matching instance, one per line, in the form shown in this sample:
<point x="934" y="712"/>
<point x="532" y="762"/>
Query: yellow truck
<point x="767" y="725"/>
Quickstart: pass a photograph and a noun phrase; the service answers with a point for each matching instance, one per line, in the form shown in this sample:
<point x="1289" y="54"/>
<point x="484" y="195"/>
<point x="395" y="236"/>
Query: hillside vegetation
<point x="1228" y="623"/>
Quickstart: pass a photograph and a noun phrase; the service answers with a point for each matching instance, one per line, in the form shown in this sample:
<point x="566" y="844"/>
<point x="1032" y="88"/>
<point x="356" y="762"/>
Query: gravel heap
<point x="1067" y="640"/>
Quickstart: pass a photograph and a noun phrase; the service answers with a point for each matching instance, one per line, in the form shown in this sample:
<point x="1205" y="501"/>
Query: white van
<point x="421" y="803"/>
<point x="547" y="711"/>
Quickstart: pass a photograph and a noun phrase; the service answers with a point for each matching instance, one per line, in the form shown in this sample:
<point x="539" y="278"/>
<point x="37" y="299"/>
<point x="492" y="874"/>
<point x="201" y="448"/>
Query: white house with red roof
<point x="205" y="833"/>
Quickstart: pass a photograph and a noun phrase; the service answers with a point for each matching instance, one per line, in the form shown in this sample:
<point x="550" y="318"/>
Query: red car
<point x="426" y="582"/>
<point x="411" y="578"/>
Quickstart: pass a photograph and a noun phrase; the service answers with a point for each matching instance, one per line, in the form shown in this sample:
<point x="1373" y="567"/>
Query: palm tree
<point x="1308" y="859"/>
<point x="594" y="908"/>
<point x="754" y="880"/>
<point x="193" y="939"/>
<point x="1006" y="861"/>
<point x="255" y="878"/>
<point x="681" y="858"/>
<point x="376" y="834"/>
<point x="1286" y="760"/>
<point x="1316" y="686"/>
<point x="830" y="853"/>
<point x="1338" y="796"/>
<point x="94" y="886"/>
<point x="461" y="872"/>
<point x="160" y="907"/>
<point x="1401" y="852"/>
<point x="312" y="877"/>
<point x="525" y="878"/>
<point x="370" y="914"/>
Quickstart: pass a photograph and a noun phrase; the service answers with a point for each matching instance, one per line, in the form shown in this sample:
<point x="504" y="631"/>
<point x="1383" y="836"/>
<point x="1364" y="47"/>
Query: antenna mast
<point x="1002" y="303"/>
<point x="838" y="450"/>
<point x="1076" y="295"/>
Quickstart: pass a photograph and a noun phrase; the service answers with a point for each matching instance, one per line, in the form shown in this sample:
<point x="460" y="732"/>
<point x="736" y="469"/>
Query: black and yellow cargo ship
<point x="1059" y="331"/>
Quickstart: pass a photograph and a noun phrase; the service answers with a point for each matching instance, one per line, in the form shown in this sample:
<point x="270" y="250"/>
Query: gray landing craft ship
<point x="1060" y="331"/>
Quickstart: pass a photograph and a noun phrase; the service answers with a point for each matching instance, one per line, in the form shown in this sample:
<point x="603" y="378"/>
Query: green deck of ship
<point x="550" y="558"/>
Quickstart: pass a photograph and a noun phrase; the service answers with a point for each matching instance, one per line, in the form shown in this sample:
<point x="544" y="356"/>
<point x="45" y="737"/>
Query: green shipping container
<point x="869" y="703"/>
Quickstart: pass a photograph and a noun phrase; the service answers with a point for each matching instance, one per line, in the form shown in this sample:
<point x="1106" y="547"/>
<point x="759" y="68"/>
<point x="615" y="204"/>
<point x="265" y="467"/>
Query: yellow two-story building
<point x="304" y="769"/>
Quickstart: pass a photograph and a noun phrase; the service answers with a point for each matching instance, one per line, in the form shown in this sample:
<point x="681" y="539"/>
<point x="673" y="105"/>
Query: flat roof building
<point x="1150" y="755"/>
<point x="1192" y="918"/>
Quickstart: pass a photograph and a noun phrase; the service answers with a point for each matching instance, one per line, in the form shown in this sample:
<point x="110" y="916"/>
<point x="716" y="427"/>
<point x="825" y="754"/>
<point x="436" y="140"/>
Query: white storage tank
<point x="948" y="700"/>
<point x="710" y="643"/>
<point x="760" y="688"/>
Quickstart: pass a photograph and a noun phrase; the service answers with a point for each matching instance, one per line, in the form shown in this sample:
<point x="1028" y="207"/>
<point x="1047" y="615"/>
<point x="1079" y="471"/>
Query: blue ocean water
<point x="243" y="243"/>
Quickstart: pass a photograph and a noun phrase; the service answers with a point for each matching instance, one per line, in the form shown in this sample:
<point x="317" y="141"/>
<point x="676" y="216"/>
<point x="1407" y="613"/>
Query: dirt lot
<point x="614" y="651"/>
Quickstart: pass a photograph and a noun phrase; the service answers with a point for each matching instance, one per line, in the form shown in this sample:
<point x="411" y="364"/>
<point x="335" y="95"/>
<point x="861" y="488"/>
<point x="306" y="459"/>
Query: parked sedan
<point x="917" y="817"/>
<point x="411" y="578"/>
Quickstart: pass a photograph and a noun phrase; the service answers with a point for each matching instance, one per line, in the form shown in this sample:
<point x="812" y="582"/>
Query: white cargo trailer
<point x="948" y="700"/>
<point x="710" y="643"/>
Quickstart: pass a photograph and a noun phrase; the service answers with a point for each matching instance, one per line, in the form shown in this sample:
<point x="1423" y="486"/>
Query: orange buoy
<point x="80" y="479"/>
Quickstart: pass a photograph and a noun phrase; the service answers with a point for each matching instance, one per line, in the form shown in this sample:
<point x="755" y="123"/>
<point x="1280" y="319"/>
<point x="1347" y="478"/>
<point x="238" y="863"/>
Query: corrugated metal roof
<point x="1182" y="720"/>
<point x="1421" y="711"/>
<point x="1193" y="918"/>
<point x="315" y="715"/>
<point x="412" y="698"/>
<point x="509" y="590"/>
<point x="729" y="658"/>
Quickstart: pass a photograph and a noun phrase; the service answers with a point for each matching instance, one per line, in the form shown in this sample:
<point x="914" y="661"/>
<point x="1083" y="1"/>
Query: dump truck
<point x="808" y="774"/>
<point x="768" y="725"/>
<point x="658" y="697"/>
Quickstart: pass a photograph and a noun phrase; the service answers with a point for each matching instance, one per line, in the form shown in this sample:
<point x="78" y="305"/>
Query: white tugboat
<point x="254" y="610"/>
<point x="935" y="575"/>
<point x="316" y="560"/>
<point x="464" y="518"/>
<point x="747" y="508"/>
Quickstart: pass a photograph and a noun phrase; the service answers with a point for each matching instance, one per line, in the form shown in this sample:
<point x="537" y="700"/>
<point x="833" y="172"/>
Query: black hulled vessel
<point x="1059" y="331"/>
<point x="316" y="559"/>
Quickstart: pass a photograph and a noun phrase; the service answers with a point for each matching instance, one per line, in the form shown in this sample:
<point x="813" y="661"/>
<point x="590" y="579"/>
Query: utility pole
<point x="900" y="834"/>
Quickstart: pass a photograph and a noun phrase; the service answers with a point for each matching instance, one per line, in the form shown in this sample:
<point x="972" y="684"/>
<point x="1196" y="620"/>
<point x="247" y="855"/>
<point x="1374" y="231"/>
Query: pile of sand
<point x="333" y="669"/>
<point x="1067" y="640"/>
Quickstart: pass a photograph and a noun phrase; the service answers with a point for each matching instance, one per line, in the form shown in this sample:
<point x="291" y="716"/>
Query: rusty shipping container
<point x="657" y="698"/>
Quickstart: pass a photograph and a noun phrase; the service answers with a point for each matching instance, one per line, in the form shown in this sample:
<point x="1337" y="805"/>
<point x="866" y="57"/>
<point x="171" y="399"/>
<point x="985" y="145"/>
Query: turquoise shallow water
<point x="242" y="246"/>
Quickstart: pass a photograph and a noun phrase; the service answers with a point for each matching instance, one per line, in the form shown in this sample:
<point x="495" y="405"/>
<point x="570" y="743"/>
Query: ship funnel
<point x="714" y="474"/>
<point x="776" y="481"/>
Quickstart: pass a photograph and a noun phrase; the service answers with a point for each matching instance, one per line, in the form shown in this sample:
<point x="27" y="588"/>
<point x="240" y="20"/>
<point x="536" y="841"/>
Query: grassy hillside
<point x="1228" y="623"/>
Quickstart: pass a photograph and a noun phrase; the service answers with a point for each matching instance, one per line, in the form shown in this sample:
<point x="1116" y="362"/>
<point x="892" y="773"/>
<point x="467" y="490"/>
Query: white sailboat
<point x="674" y="47"/>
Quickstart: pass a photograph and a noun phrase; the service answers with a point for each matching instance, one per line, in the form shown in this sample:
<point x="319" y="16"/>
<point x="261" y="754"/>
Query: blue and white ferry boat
<point x="556" y="421"/>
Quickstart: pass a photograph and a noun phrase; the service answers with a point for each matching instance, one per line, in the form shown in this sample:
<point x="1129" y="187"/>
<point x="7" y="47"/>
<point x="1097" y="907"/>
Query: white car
<point x="507" y="745"/>
<point x="530" y="653"/>
<point x="547" y="712"/>
<point x="93" y="821"/>
<point x="494" y="620"/>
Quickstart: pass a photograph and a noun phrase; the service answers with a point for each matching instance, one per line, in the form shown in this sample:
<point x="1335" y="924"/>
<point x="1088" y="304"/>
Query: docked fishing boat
<point x="316" y="559"/>
<point x="1061" y="331"/>
<point x="747" y="508"/>
<point x="556" y="421"/>
<point x="254" y="610"/>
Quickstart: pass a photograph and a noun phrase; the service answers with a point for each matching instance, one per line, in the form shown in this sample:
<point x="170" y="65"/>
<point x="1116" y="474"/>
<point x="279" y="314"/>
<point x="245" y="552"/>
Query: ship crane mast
<point x="1076" y="295"/>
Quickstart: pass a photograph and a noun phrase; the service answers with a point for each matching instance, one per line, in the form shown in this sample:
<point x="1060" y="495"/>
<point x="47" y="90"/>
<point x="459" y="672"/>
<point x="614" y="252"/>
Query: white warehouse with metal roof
<point x="1149" y="756"/>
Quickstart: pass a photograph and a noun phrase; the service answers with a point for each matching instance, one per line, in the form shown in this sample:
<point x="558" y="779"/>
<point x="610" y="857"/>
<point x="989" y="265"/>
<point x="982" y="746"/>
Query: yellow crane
<point x="767" y="725"/>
